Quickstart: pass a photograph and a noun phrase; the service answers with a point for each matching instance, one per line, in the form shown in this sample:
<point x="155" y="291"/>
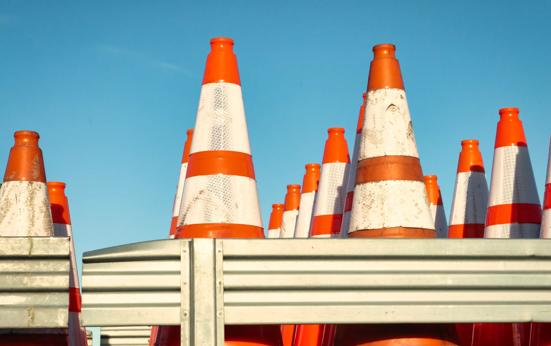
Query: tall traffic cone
<point x="306" y="206"/>
<point x="545" y="231"/>
<point x="351" y="177"/>
<point x="390" y="199"/>
<point x="62" y="228"/>
<point x="220" y="198"/>
<point x="329" y="203"/>
<point x="290" y="213"/>
<point x="180" y="186"/>
<point x="470" y="197"/>
<point x="436" y="206"/>
<point x="25" y="212"/>
<point x="276" y="217"/>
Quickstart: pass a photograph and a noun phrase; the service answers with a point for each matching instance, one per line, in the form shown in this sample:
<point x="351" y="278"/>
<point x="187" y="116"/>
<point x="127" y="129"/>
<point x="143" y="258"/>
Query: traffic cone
<point x="351" y="177"/>
<point x="436" y="206"/>
<point x="546" y="218"/>
<point x="292" y="200"/>
<point x="276" y="217"/>
<point x="329" y="203"/>
<point x="307" y="196"/>
<point x="390" y="199"/>
<point x="180" y="186"/>
<point x="25" y="212"/>
<point x="220" y="199"/>
<point x="470" y="197"/>
<point x="62" y="228"/>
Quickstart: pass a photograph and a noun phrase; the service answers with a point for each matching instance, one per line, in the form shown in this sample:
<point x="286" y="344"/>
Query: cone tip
<point x="221" y="42"/>
<point x="277" y="206"/>
<point x="221" y="62"/>
<point x="470" y="158"/>
<point x="509" y="112"/>
<point x="335" y="130"/>
<point x="384" y="50"/>
<point x="189" y="132"/>
<point x="26" y="136"/>
<point x="469" y="143"/>
<point x="312" y="166"/>
<point x="56" y="185"/>
<point x="509" y="129"/>
<point x="431" y="178"/>
<point x="293" y="187"/>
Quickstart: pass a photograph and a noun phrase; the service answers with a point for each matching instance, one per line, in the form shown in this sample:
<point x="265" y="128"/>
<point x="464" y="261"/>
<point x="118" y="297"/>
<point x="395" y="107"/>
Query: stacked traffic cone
<point x="290" y="213"/>
<point x="62" y="228"/>
<point x="220" y="198"/>
<point x="276" y="217"/>
<point x="514" y="211"/>
<point x="307" y="197"/>
<point x="180" y="186"/>
<point x="390" y="199"/>
<point x="470" y="197"/>
<point x="25" y="212"/>
<point x="436" y="206"/>
<point x="329" y="203"/>
<point x="351" y="178"/>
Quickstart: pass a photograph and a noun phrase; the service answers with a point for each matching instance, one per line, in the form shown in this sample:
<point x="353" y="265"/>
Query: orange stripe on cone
<point x="220" y="162"/>
<point x="513" y="213"/>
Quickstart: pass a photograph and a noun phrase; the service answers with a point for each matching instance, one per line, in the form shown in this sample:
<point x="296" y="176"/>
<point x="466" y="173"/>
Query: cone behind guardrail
<point x="329" y="203"/>
<point x="290" y="213"/>
<point x="390" y="199"/>
<point x="306" y="206"/>
<point x="62" y="228"/>
<point x="546" y="217"/>
<point x="24" y="205"/>
<point x="276" y="217"/>
<point x="181" y="182"/>
<point x="470" y="197"/>
<point x="436" y="206"/>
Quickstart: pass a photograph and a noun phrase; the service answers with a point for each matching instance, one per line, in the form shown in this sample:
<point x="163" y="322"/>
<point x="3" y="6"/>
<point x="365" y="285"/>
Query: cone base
<point x="268" y="335"/>
<point x="219" y="230"/>
<point x="394" y="232"/>
<point x="397" y="335"/>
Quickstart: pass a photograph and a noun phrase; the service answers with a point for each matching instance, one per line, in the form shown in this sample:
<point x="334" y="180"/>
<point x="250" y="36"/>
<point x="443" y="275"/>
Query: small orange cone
<point x="470" y="197"/>
<point x="436" y="206"/>
<point x="329" y="203"/>
<point x="62" y="228"/>
<point x="307" y="197"/>
<point x="181" y="182"/>
<point x="276" y="217"/>
<point x="351" y="178"/>
<point x="390" y="199"/>
<point x="290" y="213"/>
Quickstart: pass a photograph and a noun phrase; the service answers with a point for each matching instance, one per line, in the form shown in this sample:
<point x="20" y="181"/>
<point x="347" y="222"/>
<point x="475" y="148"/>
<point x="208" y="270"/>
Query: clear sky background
<point x="112" y="86"/>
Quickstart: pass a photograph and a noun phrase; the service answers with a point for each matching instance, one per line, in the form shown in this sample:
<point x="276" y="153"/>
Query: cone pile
<point x="276" y="217"/>
<point x="290" y="213"/>
<point x="308" y="195"/>
<point x="180" y="186"/>
<point x="436" y="206"/>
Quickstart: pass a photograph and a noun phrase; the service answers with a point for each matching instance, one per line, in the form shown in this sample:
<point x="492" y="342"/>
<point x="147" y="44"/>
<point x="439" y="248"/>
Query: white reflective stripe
<point x="390" y="203"/>
<point x="546" y="224"/>
<point x="331" y="196"/>
<point x="274" y="233"/>
<point x="512" y="177"/>
<point x="179" y="190"/>
<point x="513" y="231"/>
<point x="345" y="226"/>
<point x="25" y="210"/>
<point x="220" y="199"/>
<point x="387" y="128"/>
<point x="220" y="123"/>
<point x="439" y="218"/>
<point x="305" y="214"/>
<point x="325" y="236"/>
<point x="63" y="230"/>
<point x="288" y="224"/>
<point x="470" y="199"/>
<point x="351" y="177"/>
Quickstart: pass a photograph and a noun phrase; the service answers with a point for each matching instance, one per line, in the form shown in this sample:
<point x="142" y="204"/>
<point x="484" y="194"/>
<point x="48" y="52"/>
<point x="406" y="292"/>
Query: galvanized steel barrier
<point x="203" y="284"/>
<point x="125" y="336"/>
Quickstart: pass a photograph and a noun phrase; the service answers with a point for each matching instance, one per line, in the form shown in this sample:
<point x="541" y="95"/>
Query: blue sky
<point x="112" y="86"/>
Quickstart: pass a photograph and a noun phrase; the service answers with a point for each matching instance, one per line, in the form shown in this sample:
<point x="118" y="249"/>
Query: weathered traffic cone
<point x="276" y="217"/>
<point x="470" y="197"/>
<point x="307" y="197"/>
<point x="220" y="198"/>
<point x="390" y="200"/>
<point x="181" y="182"/>
<point x="329" y="202"/>
<point x="351" y="177"/>
<point x="62" y="228"/>
<point x="436" y="206"/>
<point x="545" y="231"/>
<point x="290" y="213"/>
<point x="25" y="212"/>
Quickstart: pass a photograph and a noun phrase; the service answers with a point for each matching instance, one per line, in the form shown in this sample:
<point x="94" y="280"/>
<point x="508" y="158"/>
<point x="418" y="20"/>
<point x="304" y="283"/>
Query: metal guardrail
<point x="125" y="336"/>
<point x="203" y="284"/>
<point x="34" y="282"/>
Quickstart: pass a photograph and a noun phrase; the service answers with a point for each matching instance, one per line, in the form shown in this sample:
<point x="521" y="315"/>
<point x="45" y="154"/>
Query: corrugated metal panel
<point x="34" y="285"/>
<point x="125" y="336"/>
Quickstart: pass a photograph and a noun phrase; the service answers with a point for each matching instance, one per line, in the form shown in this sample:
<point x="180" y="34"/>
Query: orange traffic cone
<point x="276" y="217"/>
<point x="220" y="198"/>
<point x="546" y="218"/>
<point x="62" y="228"/>
<point x="351" y="178"/>
<point x="307" y="196"/>
<point x="180" y="186"/>
<point x="470" y="197"/>
<point x="292" y="200"/>
<point x="436" y="206"/>
<point x="390" y="199"/>
<point x="329" y="203"/>
<point x="25" y="212"/>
